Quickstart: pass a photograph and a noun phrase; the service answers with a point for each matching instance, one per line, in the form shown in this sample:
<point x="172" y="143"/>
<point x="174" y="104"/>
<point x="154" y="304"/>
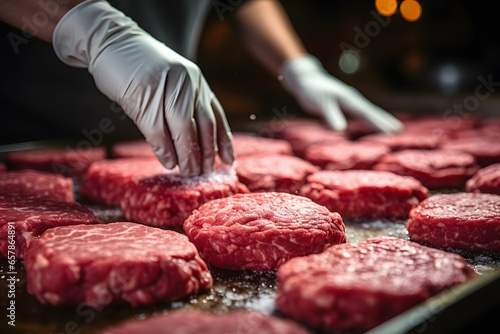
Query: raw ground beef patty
<point x="110" y="263"/>
<point x="33" y="183"/>
<point x="345" y="155"/>
<point x="301" y="137"/>
<point x="277" y="126"/>
<point x="196" y="322"/>
<point x="260" y="231"/>
<point x="168" y="199"/>
<point x="106" y="181"/>
<point x="132" y="149"/>
<point x="435" y="169"/>
<point x="461" y="220"/>
<point x="66" y="161"/>
<point x="486" y="180"/>
<point x="31" y="216"/>
<point x="486" y="150"/>
<point x="405" y="140"/>
<point x="280" y="173"/>
<point x="361" y="285"/>
<point x="359" y="193"/>
<point x="245" y="145"/>
<point x="435" y="125"/>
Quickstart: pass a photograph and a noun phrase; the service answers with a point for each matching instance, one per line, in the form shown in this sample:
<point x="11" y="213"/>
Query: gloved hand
<point x="165" y="94"/>
<point x="323" y="95"/>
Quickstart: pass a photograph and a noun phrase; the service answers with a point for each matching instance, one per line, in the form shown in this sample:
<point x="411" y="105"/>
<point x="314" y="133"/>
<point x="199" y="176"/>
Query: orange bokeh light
<point x="410" y="10"/>
<point x="386" y="7"/>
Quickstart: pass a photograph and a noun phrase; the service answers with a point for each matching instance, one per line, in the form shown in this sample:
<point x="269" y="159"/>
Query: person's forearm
<point x="268" y="33"/>
<point x="43" y="14"/>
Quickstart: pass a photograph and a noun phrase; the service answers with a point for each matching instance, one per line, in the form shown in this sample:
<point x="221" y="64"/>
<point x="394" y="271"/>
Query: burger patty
<point x="359" y="193"/>
<point x="405" y="140"/>
<point x="248" y="145"/>
<point x="361" y="285"/>
<point x="260" y="231"/>
<point x="279" y="173"/>
<point x="98" y="265"/>
<point x="486" y="180"/>
<point x="461" y="220"/>
<point x="168" y="199"/>
<point x="23" y="219"/>
<point x="106" y="181"/>
<point x="486" y="150"/>
<point x="301" y="137"/>
<point x="196" y="322"/>
<point x="132" y="149"/>
<point x="435" y="169"/>
<point x="31" y="183"/>
<point x="345" y="155"/>
<point x="66" y="161"/>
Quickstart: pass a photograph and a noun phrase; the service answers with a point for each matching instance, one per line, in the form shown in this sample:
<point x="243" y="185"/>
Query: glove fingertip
<point x="168" y="162"/>
<point x="394" y="126"/>
<point x="337" y="125"/>
<point x="226" y="154"/>
<point x="398" y="125"/>
<point x="340" y="127"/>
<point x="227" y="159"/>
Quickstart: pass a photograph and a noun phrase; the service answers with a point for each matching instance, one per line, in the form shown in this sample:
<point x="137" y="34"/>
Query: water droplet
<point x="253" y="117"/>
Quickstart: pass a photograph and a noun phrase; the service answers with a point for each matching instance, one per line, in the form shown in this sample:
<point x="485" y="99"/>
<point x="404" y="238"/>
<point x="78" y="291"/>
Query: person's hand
<point x="165" y="94"/>
<point x="321" y="94"/>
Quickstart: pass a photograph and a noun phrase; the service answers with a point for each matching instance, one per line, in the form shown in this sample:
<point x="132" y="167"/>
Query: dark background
<point x="400" y="65"/>
<point x="399" y="69"/>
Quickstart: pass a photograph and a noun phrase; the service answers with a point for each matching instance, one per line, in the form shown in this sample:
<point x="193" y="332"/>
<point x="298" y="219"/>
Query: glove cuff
<point x="78" y="36"/>
<point x="291" y="70"/>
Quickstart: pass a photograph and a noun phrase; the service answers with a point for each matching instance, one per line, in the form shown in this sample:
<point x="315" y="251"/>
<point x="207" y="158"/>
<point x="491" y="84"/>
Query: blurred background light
<point x="448" y="76"/>
<point x="349" y="61"/>
<point x="411" y="10"/>
<point x="386" y="7"/>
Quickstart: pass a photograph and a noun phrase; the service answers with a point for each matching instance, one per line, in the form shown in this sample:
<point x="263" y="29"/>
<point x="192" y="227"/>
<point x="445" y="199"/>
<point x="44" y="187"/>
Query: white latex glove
<point x="323" y="95"/>
<point x="165" y="94"/>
